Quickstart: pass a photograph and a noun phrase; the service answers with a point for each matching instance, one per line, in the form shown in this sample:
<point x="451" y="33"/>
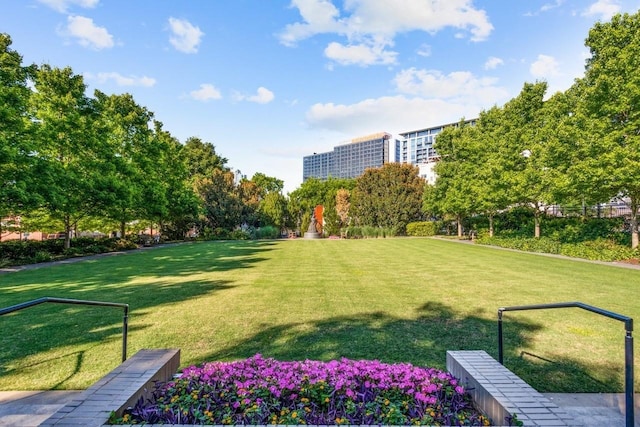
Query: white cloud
<point x="87" y="33"/>
<point x="206" y="92"/>
<point x="396" y="113"/>
<point x="545" y="66"/>
<point x="360" y="54"/>
<point x="186" y="37"/>
<point x="62" y="5"/>
<point x="492" y="63"/>
<point x="371" y="26"/>
<point x="605" y="8"/>
<point x="262" y="96"/>
<point x="121" y="80"/>
<point x="454" y="86"/>
<point x="426" y="98"/>
<point x="424" y="50"/>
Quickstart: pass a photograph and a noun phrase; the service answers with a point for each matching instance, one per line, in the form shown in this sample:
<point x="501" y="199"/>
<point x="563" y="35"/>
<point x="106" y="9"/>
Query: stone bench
<point x="500" y="393"/>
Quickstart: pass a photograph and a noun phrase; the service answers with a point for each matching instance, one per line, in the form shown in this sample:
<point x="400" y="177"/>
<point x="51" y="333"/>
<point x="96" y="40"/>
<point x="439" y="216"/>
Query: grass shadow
<point x="421" y="340"/>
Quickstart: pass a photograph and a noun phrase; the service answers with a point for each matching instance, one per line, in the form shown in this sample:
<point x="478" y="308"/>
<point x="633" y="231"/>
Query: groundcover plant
<point x="266" y="391"/>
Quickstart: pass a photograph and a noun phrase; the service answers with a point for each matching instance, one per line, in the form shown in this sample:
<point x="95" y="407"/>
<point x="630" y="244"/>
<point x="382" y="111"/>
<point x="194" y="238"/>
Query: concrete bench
<point x="118" y="390"/>
<point x="500" y="393"/>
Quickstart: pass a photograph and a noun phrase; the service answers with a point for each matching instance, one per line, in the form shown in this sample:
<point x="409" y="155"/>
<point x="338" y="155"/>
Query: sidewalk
<point x="30" y="408"/>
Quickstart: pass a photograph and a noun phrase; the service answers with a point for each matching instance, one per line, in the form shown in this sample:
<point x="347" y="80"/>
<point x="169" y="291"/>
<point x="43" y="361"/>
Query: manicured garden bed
<point x="262" y="391"/>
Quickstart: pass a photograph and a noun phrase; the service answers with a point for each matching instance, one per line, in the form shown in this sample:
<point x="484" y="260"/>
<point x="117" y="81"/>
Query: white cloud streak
<point x="206" y="92"/>
<point x="493" y="63"/>
<point x="185" y="36"/>
<point x="425" y="97"/>
<point x="121" y="80"/>
<point x="262" y="96"/>
<point x="544" y="67"/>
<point x="87" y="33"/>
<point x="63" y="5"/>
<point x="371" y="26"/>
<point x="603" y="8"/>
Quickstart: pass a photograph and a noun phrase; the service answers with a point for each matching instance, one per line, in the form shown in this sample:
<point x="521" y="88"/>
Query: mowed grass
<point x="396" y="300"/>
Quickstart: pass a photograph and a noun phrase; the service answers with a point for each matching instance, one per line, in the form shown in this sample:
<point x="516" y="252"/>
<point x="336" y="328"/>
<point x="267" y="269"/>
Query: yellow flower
<point x="294" y="414"/>
<point x="326" y="400"/>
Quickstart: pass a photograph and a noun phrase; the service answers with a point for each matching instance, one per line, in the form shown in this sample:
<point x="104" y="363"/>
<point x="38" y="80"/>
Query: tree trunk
<point x="490" y="225"/>
<point x="536" y="219"/>
<point x="634" y="222"/>
<point x="459" y="220"/>
<point x="122" y="225"/>
<point x="67" y="232"/>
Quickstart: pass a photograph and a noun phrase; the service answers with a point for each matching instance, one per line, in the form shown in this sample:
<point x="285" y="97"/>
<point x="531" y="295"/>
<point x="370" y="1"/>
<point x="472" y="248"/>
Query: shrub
<point x="596" y="250"/>
<point x="267" y="232"/>
<point x="266" y="391"/>
<point x="422" y="228"/>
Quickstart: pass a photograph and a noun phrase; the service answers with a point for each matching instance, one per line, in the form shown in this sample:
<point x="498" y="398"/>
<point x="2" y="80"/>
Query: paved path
<point x="30" y="408"/>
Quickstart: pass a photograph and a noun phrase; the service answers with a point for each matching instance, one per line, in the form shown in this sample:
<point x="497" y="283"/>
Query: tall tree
<point x="17" y="160"/>
<point x="124" y="126"/>
<point x="388" y="197"/>
<point x="523" y="152"/>
<point x="202" y="158"/>
<point x="455" y="192"/>
<point x="221" y="203"/>
<point x="611" y="102"/>
<point x="75" y="181"/>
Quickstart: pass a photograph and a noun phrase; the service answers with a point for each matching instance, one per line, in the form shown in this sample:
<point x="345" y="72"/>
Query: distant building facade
<point x="417" y="148"/>
<point x="350" y="160"/>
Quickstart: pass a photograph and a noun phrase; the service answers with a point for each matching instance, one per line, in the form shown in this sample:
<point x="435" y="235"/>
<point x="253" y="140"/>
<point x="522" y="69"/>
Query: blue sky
<point x="270" y="81"/>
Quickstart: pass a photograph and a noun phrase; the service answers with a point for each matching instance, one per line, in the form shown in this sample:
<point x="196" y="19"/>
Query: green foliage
<point x="389" y="197"/>
<point x="423" y="228"/>
<point x="18" y="252"/>
<point x="369" y="232"/>
<point x="267" y="232"/>
<point x="596" y="250"/>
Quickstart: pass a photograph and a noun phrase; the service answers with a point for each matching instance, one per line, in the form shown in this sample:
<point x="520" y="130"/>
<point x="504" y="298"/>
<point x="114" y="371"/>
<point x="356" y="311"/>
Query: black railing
<point x="628" y="344"/>
<point x="125" y="319"/>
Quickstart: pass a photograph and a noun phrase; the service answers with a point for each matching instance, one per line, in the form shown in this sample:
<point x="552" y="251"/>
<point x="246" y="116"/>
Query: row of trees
<point x="72" y="161"/>
<point x="578" y="147"/>
<point x="75" y="162"/>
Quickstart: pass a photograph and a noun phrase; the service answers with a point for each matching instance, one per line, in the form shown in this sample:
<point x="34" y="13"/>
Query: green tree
<point x="267" y="184"/>
<point x="124" y="125"/>
<point x="273" y="209"/>
<point x="388" y="197"/>
<point x="611" y="102"/>
<point x="314" y="192"/>
<point x="17" y="161"/>
<point x="456" y="189"/>
<point x="221" y="204"/>
<point x="523" y="152"/>
<point x="77" y="180"/>
<point x="202" y="158"/>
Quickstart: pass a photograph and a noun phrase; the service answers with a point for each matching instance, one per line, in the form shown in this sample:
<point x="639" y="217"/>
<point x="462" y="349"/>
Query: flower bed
<point x="266" y="391"/>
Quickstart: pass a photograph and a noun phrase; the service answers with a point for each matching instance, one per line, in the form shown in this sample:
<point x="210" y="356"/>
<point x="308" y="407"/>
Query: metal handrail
<point x="125" y="319"/>
<point x="628" y="344"/>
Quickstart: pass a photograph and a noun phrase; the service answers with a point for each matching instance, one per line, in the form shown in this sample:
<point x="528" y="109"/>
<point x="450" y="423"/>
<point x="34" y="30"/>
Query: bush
<point x="422" y="228"/>
<point x="16" y="252"/>
<point x="267" y="232"/>
<point x="596" y="250"/>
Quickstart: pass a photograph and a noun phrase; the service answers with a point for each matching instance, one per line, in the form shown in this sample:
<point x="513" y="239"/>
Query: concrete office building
<point x="417" y="148"/>
<point x="351" y="159"/>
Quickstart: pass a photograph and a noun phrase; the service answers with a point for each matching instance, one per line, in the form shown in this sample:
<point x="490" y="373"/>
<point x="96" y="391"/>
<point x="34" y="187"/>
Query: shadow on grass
<point x="47" y="327"/>
<point x="421" y="340"/>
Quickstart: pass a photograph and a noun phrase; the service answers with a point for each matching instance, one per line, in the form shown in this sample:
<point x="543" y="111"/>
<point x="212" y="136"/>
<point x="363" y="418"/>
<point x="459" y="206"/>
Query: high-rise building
<point x="417" y="148"/>
<point x="351" y="159"/>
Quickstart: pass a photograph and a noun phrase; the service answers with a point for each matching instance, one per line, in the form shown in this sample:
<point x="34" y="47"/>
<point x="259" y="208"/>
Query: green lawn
<point x="405" y="299"/>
